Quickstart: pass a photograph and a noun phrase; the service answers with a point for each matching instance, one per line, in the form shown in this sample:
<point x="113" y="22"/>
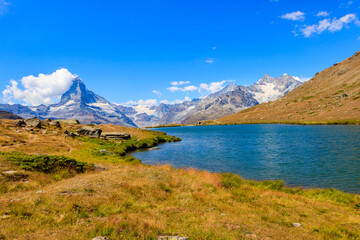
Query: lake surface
<point x="310" y="156"/>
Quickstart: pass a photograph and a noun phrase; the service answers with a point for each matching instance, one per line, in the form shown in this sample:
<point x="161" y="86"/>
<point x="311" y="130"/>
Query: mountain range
<point x="229" y="100"/>
<point x="331" y="96"/>
<point x="86" y="106"/>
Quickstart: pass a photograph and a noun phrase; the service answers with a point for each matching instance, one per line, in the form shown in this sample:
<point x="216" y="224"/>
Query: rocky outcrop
<point x="20" y="123"/>
<point x="33" y="122"/>
<point x="89" y="132"/>
<point x="55" y="124"/>
<point x="67" y="133"/>
<point x="116" y="135"/>
<point x="69" y="121"/>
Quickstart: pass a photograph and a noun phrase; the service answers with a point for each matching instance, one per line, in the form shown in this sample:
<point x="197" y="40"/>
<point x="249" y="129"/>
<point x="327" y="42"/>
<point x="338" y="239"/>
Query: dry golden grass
<point x="332" y="96"/>
<point x="135" y="201"/>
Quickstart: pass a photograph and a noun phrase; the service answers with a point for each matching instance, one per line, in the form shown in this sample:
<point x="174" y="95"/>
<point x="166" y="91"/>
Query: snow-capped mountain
<point x="270" y="89"/>
<point x="229" y="100"/>
<point x="78" y="102"/>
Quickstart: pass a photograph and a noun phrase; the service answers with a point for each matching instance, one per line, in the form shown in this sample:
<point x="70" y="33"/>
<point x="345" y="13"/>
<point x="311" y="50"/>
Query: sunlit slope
<point x="331" y="96"/>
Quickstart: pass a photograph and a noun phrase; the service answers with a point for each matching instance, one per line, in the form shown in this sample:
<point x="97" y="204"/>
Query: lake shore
<point x="125" y="199"/>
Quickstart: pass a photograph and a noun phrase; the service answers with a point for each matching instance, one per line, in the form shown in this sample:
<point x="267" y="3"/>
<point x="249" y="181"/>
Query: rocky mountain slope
<point x="78" y="102"/>
<point x="332" y="95"/>
<point x="229" y="100"/>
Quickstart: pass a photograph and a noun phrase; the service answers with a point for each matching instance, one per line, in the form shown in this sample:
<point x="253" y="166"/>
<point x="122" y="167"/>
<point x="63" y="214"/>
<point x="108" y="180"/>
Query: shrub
<point x="45" y="163"/>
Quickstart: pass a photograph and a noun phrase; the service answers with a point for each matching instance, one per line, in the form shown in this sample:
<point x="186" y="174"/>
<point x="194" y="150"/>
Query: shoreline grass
<point x="129" y="200"/>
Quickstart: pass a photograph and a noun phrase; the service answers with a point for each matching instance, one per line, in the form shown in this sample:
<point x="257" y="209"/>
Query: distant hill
<point x="332" y="95"/>
<point x="8" y="115"/>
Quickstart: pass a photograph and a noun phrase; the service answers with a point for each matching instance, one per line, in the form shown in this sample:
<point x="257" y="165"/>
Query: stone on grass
<point x="116" y="135"/>
<point x="101" y="238"/>
<point x="297" y="225"/>
<point x="33" y="122"/>
<point x="91" y="132"/>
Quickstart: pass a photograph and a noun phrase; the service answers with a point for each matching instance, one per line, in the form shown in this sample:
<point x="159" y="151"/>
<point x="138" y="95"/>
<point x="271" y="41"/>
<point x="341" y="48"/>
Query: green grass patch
<point x="45" y="163"/>
<point x="233" y="182"/>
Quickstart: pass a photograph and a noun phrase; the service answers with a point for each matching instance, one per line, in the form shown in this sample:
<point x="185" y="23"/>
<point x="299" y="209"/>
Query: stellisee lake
<point x="310" y="156"/>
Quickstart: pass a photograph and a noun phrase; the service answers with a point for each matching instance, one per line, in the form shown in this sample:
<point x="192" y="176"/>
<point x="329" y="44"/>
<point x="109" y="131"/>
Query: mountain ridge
<point x="332" y="95"/>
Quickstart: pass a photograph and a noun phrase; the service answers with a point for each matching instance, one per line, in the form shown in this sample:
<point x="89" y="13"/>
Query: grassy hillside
<point x="50" y="189"/>
<point x="332" y="96"/>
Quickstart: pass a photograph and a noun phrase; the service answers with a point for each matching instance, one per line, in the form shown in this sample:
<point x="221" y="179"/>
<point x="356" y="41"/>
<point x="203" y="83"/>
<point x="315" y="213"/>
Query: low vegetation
<point x="76" y="191"/>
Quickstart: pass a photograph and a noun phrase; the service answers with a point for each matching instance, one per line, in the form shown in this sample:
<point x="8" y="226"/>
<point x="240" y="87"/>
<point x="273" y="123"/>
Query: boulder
<point x="89" y="132"/>
<point x="105" y="152"/>
<point x="116" y="135"/>
<point x="20" y="123"/>
<point x="67" y="133"/>
<point x="69" y="121"/>
<point x="55" y="124"/>
<point x="33" y="122"/>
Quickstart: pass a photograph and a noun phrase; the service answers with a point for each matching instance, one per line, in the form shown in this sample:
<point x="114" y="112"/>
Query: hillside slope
<point x="8" y="115"/>
<point x="331" y="96"/>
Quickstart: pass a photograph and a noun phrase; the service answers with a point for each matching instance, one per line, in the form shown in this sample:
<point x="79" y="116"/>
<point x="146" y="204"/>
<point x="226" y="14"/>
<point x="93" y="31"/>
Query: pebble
<point x="172" y="238"/>
<point x="297" y="225"/>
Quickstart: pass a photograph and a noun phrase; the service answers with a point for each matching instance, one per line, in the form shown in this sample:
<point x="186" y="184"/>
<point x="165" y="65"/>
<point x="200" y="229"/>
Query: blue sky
<point x="132" y="50"/>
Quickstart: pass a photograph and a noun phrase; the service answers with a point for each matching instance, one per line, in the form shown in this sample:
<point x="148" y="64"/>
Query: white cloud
<point x="212" y="87"/>
<point x="334" y="25"/>
<point x="179" y="83"/>
<point x="173" y="89"/>
<point x="156" y="92"/>
<point x="190" y="88"/>
<point x="147" y="102"/>
<point x="294" y="16"/>
<point x="214" y="48"/>
<point x="302" y="79"/>
<point x="178" y="101"/>
<point x="209" y="60"/>
<point x="322" y="14"/>
<point x="3" y="6"/>
<point x="43" y="89"/>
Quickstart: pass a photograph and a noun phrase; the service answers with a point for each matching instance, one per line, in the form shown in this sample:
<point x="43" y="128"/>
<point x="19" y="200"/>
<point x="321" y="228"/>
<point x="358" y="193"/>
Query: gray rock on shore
<point x="89" y="132"/>
<point x="116" y="135"/>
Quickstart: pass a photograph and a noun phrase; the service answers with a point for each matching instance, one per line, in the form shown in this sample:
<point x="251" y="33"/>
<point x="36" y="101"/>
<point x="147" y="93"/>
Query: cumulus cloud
<point x="334" y="25"/>
<point x="209" y="60"/>
<point x="212" y="87"/>
<point x="179" y="83"/>
<point x="156" y="92"/>
<point x="294" y="16"/>
<point x="322" y="14"/>
<point x="147" y="102"/>
<point x="190" y="88"/>
<point x="43" y="89"/>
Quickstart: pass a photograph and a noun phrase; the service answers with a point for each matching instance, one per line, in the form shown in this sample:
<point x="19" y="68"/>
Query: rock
<point x="69" y="121"/>
<point x="297" y="225"/>
<point x="154" y="148"/>
<point x="67" y="133"/>
<point x="344" y="95"/>
<point x="20" y="123"/>
<point x="116" y="135"/>
<point x="251" y="235"/>
<point x="55" y="124"/>
<point x="172" y="238"/>
<point x="40" y="192"/>
<point x="33" y="122"/>
<point x="101" y="238"/>
<point x="105" y="151"/>
<point x="99" y="168"/>
<point x="89" y="132"/>
<point x="12" y="175"/>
